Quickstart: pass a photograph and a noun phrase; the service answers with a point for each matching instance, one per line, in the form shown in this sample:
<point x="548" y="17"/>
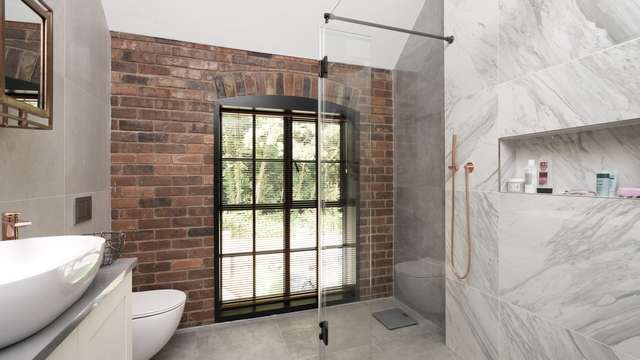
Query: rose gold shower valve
<point x="469" y="167"/>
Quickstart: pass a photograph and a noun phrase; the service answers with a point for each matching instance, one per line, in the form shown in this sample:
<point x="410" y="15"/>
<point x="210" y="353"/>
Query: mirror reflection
<point x="23" y="53"/>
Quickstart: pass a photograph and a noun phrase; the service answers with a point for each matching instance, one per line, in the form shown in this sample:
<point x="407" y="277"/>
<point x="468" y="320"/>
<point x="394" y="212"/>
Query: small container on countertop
<point x="603" y="183"/>
<point x="515" y="185"/>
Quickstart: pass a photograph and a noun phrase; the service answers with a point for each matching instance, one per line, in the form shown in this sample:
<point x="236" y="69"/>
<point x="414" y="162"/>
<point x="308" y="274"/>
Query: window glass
<point x="304" y="140"/>
<point x="237" y="136"/>
<point x="268" y="209"/>
<point x="237" y="182"/>
<point x="269" y="137"/>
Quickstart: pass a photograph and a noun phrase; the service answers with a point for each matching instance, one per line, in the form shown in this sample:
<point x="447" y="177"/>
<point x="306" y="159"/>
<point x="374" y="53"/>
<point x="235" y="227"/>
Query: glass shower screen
<point x="345" y="215"/>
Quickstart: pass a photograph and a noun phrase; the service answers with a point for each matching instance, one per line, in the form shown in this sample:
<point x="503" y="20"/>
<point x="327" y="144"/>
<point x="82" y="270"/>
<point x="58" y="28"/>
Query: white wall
<point x="42" y="172"/>
<point x="284" y="27"/>
<point x="19" y="11"/>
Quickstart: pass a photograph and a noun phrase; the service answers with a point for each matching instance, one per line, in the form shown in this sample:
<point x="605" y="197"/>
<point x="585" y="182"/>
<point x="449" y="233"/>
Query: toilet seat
<point x="155" y="302"/>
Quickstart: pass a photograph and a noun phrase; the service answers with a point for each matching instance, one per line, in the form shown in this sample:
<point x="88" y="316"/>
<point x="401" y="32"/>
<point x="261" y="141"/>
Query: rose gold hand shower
<point x="468" y="169"/>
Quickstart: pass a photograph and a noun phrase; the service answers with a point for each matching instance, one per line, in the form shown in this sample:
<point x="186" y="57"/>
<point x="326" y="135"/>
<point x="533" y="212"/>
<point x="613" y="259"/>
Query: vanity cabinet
<point x="105" y="334"/>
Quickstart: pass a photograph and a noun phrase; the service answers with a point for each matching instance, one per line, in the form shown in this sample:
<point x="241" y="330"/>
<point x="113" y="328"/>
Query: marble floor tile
<point x="355" y="334"/>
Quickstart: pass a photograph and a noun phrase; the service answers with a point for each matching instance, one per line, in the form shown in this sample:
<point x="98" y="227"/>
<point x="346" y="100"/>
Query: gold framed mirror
<point x="26" y="69"/>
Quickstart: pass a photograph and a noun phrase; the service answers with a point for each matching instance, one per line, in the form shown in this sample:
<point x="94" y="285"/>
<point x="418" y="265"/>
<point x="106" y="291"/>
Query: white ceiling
<point x="284" y="27"/>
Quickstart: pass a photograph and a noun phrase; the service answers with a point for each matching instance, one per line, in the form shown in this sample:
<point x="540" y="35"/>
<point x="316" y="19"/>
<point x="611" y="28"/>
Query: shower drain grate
<point x="394" y="319"/>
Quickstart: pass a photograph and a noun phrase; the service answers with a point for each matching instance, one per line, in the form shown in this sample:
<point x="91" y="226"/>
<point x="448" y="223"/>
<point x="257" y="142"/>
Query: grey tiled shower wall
<point x="419" y="169"/>
<point x="43" y="172"/>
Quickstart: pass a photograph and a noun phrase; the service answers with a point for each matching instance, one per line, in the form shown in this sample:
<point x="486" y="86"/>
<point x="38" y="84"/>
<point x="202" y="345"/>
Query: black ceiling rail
<point x="330" y="16"/>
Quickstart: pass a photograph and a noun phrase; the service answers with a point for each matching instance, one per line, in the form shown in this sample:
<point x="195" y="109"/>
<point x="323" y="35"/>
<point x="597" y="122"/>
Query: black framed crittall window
<point x="266" y="206"/>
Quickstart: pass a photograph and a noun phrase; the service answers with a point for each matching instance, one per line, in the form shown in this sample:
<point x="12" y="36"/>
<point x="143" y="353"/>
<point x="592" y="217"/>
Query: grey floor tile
<point x="354" y="335"/>
<point x="181" y="346"/>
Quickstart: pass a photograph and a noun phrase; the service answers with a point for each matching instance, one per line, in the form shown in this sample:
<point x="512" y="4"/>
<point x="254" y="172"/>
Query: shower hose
<point x="468" y="169"/>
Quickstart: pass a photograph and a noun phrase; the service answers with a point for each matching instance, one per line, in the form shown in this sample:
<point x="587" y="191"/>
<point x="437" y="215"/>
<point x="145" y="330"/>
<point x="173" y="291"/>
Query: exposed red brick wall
<point x="163" y="96"/>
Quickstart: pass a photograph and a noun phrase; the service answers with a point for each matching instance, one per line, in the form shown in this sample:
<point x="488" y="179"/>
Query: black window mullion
<point x="318" y="202"/>
<point x="343" y="198"/>
<point x="254" y="205"/>
<point x="288" y="199"/>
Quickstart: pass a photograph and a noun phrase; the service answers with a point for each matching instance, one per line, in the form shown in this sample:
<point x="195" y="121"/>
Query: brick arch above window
<point x="250" y="83"/>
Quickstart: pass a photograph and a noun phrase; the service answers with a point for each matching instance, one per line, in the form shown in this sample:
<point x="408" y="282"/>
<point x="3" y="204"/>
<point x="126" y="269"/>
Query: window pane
<point x="303" y="271"/>
<point x="332" y="224"/>
<point x="304" y="140"/>
<point x="303" y="228"/>
<point x="331" y="142"/>
<point x="304" y="181"/>
<point x="237" y="278"/>
<point x="269" y="182"/>
<point x="331" y="179"/>
<point x="349" y="264"/>
<point x="237" y="136"/>
<point x="269" y="274"/>
<point x="339" y="267"/>
<point x="269" y="137"/>
<point x="333" y="268"/>
<point x="237" y="184"/>
<point x="237" y="231"/>
<point x="269" y="230"/>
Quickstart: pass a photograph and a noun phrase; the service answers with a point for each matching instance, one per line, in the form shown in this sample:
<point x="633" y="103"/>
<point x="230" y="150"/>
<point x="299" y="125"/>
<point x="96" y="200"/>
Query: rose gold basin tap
<point x="11" y="224"/>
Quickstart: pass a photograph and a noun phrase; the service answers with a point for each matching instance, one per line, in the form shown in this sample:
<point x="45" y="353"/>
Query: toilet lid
<point x="154" y="302"/>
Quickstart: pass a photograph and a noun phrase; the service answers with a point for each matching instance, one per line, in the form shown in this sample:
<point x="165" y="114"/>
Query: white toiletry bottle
<point x="530" y="180"/>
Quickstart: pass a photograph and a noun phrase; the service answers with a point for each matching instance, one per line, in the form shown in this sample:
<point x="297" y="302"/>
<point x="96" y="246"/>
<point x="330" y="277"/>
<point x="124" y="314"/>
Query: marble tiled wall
<point x="419" y="171"/>
<point x="42" y="172"/>
<point x="551" y="277"/>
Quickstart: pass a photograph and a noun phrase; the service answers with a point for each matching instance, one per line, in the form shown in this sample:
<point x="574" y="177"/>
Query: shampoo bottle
<point x="530" y="178"/>
<point x="544" y="177"/>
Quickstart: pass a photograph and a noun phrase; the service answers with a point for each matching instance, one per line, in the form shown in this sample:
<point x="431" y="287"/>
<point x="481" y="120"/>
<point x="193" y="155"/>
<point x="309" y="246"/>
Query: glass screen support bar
<point x="329" y="16"/>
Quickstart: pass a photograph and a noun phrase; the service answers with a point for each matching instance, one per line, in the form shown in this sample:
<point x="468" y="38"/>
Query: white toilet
<point x="156" y="315"/>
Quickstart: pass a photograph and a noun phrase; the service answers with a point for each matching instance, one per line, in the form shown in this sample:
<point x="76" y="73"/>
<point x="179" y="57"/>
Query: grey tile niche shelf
<point x="576" y="155"/>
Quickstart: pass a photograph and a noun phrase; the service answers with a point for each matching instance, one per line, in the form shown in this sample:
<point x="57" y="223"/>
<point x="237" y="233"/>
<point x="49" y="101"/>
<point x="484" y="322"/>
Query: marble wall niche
<point x="555" y="274"/>
<point x="44" y="171"/>
<point x="576" y="155"/>
<point x="419" y="172"/>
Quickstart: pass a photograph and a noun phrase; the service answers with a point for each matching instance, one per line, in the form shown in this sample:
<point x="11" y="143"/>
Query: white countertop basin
<point x="40" y="278"/>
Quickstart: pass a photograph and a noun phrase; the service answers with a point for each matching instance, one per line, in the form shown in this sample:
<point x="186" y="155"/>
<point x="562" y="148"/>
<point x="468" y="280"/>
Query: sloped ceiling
<point x="284" y="27"/>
